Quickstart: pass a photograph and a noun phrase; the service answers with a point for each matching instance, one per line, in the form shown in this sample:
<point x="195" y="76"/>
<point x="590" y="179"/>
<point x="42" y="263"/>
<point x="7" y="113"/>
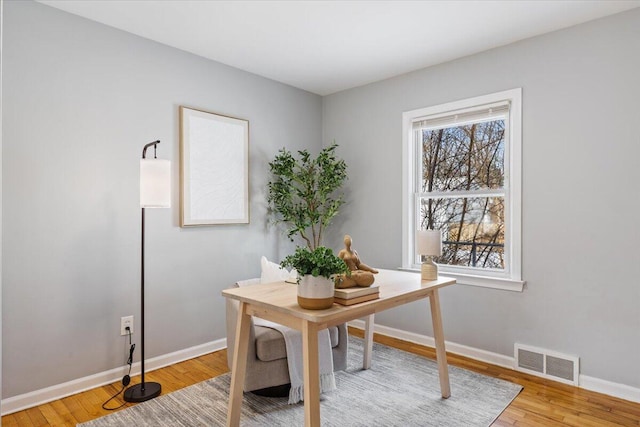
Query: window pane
<point x="472" y="229"/>
<point x="466" y="157"/>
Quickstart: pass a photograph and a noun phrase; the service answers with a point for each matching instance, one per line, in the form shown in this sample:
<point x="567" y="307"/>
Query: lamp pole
<point x="145" y="390"/>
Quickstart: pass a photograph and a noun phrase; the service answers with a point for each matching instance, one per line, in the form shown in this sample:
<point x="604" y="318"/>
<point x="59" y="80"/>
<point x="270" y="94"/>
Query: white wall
<point x="580" y="192"/>
<point x="80" y="101"/>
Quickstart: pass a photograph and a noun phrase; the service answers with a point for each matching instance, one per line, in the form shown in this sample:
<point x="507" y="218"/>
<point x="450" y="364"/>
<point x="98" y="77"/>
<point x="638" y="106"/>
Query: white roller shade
<point x="461" y="117"/>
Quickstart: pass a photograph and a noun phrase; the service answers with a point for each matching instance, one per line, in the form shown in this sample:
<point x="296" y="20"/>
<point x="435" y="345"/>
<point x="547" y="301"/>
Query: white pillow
<point x="247" y="282"/>
<point x="272" y="272"/>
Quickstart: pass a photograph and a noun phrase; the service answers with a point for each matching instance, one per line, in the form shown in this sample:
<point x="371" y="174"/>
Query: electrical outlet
<point x="124" y="322"/>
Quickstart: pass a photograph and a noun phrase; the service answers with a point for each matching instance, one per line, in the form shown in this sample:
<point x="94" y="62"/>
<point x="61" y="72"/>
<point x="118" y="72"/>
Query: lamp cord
<point x="126" y="379"/>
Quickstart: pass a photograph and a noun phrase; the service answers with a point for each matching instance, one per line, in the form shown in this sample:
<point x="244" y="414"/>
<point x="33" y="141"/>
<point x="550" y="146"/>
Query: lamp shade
<point x="429" y="242"/>
<point x="155" y="183"/>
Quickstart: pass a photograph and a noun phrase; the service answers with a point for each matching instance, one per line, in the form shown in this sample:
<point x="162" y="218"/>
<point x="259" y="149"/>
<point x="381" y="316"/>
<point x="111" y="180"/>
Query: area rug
<point x="400" y="389"/>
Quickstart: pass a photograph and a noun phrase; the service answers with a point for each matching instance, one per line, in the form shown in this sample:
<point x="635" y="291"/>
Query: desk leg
<point x="368" y="341"/>
<point x="239" y="365"/>
<point x="441" y="353"/>
<point x="311" y="375"/>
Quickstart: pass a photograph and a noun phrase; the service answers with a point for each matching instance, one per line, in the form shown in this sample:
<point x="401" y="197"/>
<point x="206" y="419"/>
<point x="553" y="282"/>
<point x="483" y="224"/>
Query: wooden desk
<point x="277" y="302"/>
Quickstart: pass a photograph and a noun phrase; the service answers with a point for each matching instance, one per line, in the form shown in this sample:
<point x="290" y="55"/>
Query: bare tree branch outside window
<point x="459" y="163"/>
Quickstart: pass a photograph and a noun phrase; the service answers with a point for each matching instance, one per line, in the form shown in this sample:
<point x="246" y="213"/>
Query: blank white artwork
<point x="215" y="163"/>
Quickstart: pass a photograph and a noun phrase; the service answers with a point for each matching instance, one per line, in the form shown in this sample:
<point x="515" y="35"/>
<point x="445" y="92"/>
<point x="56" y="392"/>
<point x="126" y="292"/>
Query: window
<point x="462" y="175"/>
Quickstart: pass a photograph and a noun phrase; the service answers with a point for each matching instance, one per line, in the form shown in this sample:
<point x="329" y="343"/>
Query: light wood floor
<point x="541" y="403"/>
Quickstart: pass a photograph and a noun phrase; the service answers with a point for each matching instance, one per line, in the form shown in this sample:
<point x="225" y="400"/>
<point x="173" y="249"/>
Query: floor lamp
<point x="155" y="192"/>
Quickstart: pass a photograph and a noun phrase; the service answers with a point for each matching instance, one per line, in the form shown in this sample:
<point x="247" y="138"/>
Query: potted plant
<point x="316" y="269"/>
<point x="303" y="193"/>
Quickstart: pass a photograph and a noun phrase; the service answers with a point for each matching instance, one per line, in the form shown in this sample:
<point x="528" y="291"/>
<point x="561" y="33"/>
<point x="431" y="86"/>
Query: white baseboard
<point x="622" y="391"/>
<point x="609" y="388"/>
<point x="463" y="350"/>
<point x="48" y="394"/>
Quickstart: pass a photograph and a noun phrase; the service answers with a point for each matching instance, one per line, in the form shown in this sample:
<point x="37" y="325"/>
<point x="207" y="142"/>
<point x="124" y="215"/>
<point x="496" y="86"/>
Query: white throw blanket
<point x="293" y="344"/>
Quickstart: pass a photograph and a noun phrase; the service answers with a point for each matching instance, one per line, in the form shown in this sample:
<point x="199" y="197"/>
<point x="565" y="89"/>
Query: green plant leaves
<point x="302" y="192"/>
<point x="320" y="261"/>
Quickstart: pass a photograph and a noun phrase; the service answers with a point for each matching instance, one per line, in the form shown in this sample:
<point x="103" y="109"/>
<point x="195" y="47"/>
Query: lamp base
<point x="429" y="270"/>
<point x="137" y="394"/>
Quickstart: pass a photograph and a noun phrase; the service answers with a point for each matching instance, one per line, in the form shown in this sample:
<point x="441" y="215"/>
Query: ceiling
<point x="328" y="46"/>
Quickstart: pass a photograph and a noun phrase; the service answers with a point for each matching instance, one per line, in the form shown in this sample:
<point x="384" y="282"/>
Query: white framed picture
<point x="214" y="168"/>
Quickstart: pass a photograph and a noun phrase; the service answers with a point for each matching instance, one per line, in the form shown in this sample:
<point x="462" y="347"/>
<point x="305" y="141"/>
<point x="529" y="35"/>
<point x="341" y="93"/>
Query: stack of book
<point x="350" y="296"/>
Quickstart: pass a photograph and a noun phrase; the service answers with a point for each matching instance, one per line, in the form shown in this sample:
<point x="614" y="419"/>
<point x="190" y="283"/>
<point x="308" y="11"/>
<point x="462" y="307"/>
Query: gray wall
<point x="580" y="192"/>
<point x="1" y="34"/>
<point x="81" y="99"/>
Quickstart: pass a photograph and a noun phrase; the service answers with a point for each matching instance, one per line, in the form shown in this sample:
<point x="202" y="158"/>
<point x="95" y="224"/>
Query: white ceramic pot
<point x="315" y="293"/>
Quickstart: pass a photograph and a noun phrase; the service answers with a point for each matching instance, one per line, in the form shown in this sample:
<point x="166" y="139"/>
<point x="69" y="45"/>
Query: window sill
<point x="482" y="281"/>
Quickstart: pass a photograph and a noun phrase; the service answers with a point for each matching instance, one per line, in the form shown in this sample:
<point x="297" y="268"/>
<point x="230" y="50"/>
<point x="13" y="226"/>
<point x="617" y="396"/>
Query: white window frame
<point x="511" y="277"/>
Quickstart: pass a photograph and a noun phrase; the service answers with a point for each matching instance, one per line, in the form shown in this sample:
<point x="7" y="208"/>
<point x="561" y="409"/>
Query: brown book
<point x="356" y="300"/>
<point x="355" y="292"/>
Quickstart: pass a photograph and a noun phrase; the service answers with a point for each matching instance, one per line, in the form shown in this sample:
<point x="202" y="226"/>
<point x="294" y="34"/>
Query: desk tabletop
<point x="396" y="288"/>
